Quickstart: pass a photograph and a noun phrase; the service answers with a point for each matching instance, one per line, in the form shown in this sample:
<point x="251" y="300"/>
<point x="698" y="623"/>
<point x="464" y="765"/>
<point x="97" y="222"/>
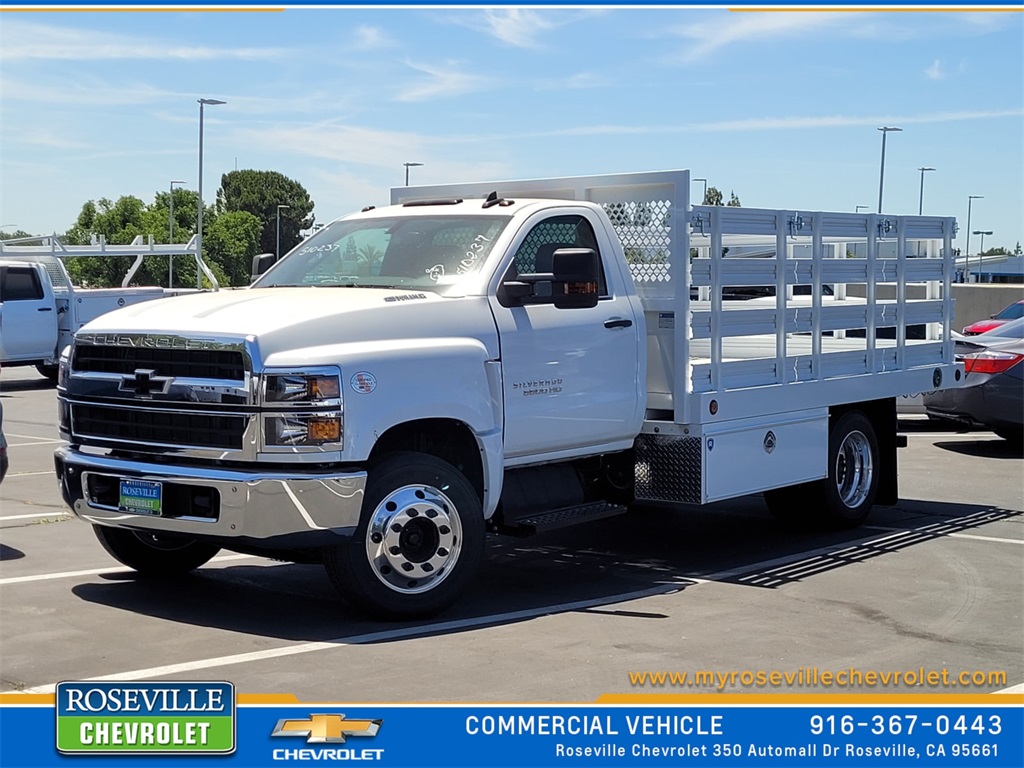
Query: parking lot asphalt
<point x="932" y="583"/>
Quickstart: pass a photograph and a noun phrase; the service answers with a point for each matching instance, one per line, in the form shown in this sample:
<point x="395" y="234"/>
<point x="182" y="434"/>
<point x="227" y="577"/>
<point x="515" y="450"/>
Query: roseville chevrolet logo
<point x="326" y="729"/>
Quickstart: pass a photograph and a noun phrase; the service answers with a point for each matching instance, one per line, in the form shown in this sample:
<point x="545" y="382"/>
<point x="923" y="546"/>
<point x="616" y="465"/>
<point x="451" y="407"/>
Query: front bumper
<point x="270" y="509"/>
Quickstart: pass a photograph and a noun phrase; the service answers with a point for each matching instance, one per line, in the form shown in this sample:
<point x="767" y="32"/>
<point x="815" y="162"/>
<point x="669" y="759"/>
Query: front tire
<point x="419" y="540"/>
<point x="845" y="498"/>
<point x="49" y="371"/>
<point x="154" y="554"/>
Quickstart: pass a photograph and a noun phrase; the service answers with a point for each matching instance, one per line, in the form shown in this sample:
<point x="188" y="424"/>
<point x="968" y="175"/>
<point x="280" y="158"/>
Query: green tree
<point x="229" y="244"/>
<point x="713" y="196"/>
<point x="260" y="193"/>
<point x="734" y="201"/>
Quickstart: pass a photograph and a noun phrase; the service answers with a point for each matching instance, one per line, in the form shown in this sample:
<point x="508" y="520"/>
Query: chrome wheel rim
<point x="414" y="539"/>
<point x="854" y="469"/>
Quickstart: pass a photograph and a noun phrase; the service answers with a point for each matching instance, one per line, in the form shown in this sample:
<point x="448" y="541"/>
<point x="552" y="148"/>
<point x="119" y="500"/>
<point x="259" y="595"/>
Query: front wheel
<point x="843" y="499"/>
<point x="419" y="540"/>
<point x="154" y="554"/>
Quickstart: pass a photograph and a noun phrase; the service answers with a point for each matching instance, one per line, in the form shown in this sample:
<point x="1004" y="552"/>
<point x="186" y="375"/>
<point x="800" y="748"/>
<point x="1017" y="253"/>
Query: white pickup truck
<point x="41" y="308"/>
<point x="415" y="376"/>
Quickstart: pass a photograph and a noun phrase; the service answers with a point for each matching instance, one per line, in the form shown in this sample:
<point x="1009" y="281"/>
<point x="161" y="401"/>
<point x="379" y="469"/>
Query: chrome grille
<point x="184" y="363"/>
<point x="159" y="426"/>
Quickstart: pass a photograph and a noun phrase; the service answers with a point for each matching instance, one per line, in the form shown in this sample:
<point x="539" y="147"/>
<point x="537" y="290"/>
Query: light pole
<point x="704" y="194"/>
<point x="199" y="218"/>
<point x="407" y="167"/>
<point x="967" y="247"/>
<point x="865" y="207"/>
<point x="981" y="251"/>
<point x="920" y="197"/>
<point x="277" y="247"/>
<point x="881" y="171"/>
<point x="170" y="236"/>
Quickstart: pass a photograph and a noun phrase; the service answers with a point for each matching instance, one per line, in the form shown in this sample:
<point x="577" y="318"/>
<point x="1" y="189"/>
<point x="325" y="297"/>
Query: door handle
<point x="618" y="322"/>
<point x="45" y="309"/>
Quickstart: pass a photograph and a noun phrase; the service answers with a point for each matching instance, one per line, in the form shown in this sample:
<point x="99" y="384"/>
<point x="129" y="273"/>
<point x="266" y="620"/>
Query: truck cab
<point x="28" y="315"/>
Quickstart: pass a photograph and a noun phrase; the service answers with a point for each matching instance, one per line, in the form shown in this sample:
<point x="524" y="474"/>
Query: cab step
<point x="564" y="517"/>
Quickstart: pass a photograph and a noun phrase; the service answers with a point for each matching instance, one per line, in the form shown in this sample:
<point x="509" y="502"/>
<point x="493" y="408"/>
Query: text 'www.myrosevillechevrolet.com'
<point x="813" y="677"/>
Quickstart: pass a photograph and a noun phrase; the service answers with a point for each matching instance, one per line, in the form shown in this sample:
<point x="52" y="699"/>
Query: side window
<point x="20" y="284"/>
<point x="536" y="251"/>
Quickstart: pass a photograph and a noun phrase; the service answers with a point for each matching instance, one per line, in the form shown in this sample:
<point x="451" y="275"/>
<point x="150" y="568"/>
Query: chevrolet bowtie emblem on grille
<point x="322" y="729"/>
<point x="145" y="383"/>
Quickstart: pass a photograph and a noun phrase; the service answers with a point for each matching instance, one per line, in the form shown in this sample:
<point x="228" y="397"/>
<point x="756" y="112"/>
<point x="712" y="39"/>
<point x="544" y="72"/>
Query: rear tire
<point x="154" y="554"/>
<point x="419" y="540"/>
<point x="845" y="498"/>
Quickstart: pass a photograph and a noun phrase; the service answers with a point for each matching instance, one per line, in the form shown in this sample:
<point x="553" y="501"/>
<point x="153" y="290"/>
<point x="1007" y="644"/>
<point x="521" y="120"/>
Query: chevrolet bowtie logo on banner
<point x="326" y="729"/>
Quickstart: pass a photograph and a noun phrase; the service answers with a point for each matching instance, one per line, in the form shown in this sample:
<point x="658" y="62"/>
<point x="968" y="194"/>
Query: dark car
<point x="1004" y="315"/>
<point x="3" y="446"/>
<point x="992" y="394"/>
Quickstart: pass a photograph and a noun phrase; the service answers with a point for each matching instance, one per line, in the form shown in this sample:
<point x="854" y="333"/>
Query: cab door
<point x="28" y="315"/>
<point x="571" y="378"/>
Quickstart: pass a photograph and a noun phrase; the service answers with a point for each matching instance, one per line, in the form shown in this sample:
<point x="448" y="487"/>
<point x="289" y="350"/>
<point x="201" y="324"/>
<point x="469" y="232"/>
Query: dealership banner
<point x="207" y="723"/>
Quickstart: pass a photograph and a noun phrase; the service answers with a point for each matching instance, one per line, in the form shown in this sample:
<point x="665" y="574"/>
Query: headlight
<point x="64" y="367"/>
<point x="303" y="410"/>
<point x="305" y="429"/>
<point x="302" y="388"/>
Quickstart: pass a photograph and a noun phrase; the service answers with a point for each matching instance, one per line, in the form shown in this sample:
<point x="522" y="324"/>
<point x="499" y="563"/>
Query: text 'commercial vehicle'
<point x="507" y="357"/>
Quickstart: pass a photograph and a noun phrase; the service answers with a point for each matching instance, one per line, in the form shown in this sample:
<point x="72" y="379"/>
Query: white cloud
<point x="371" y="38"/>
<point x="795" y="122"/>
<point x="519" y="27"/>
<point x="935" y="71"/>
<point x="578" y="81"/>
<point x="26" y="40"/>
<point x="719" y="31"/>
<point x="441" y="82"/>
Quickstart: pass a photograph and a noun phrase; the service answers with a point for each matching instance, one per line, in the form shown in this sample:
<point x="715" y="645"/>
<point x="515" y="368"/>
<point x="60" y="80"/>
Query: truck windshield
<point x="421" y="252"/>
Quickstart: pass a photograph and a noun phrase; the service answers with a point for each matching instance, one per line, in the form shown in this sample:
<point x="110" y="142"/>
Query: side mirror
<point x="261" y="262"/>
<point x="572" y="283"/>
<point x="577" y="274"/>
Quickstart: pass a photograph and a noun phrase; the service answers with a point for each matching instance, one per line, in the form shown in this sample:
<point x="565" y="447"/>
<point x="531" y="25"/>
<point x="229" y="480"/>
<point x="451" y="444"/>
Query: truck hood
<point x="285" y="319"/>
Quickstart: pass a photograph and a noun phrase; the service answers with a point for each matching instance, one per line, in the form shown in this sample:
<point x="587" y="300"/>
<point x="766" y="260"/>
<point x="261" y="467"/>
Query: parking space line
<point x="371" y="637"/>
<point x="96" y="572"/>
<point x="28" y="474"/>
<point x="35" y="440"/>
<point x="950" y="535"/>
<point x="5" y="518"/>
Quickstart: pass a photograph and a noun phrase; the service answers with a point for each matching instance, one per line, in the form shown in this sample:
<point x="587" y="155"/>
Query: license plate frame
<point x="140" y="497"/>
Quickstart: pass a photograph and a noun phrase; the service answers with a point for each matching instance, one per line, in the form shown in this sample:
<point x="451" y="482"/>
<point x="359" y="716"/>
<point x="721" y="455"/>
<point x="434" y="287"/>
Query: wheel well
<point x="446" y="439"/>
<point x="882" y="415"/>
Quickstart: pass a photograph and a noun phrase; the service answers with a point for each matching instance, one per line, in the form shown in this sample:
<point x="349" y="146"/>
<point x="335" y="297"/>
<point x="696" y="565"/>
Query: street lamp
<point x="170" y="237"/>
<point x="967" y="247"/>
<point x="881" y="172"/>
<point x="920" y="198"/>
<point x="865" y="207"/>
<point x="277" y="248"/>
<point x="981" y="252"/>
<point x="199" y="218"/>
<point x="704" y="195"/>
<point x="407" y="167"/>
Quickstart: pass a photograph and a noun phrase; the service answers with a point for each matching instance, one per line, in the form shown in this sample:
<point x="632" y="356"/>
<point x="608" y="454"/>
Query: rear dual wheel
<point x="845" y="498"/>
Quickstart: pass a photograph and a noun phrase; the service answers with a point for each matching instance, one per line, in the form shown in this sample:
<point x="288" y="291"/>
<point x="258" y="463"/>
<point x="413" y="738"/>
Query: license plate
<point x="141" y="497"/>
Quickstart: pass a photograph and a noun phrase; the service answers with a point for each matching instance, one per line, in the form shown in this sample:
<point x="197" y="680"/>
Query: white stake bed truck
<point x="40" y="306"/>
<point x="414" y="376"/>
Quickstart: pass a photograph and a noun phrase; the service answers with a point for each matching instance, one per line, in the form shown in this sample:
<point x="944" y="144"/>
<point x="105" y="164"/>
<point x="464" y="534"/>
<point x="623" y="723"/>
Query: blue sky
<point x="780" y="107"/>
